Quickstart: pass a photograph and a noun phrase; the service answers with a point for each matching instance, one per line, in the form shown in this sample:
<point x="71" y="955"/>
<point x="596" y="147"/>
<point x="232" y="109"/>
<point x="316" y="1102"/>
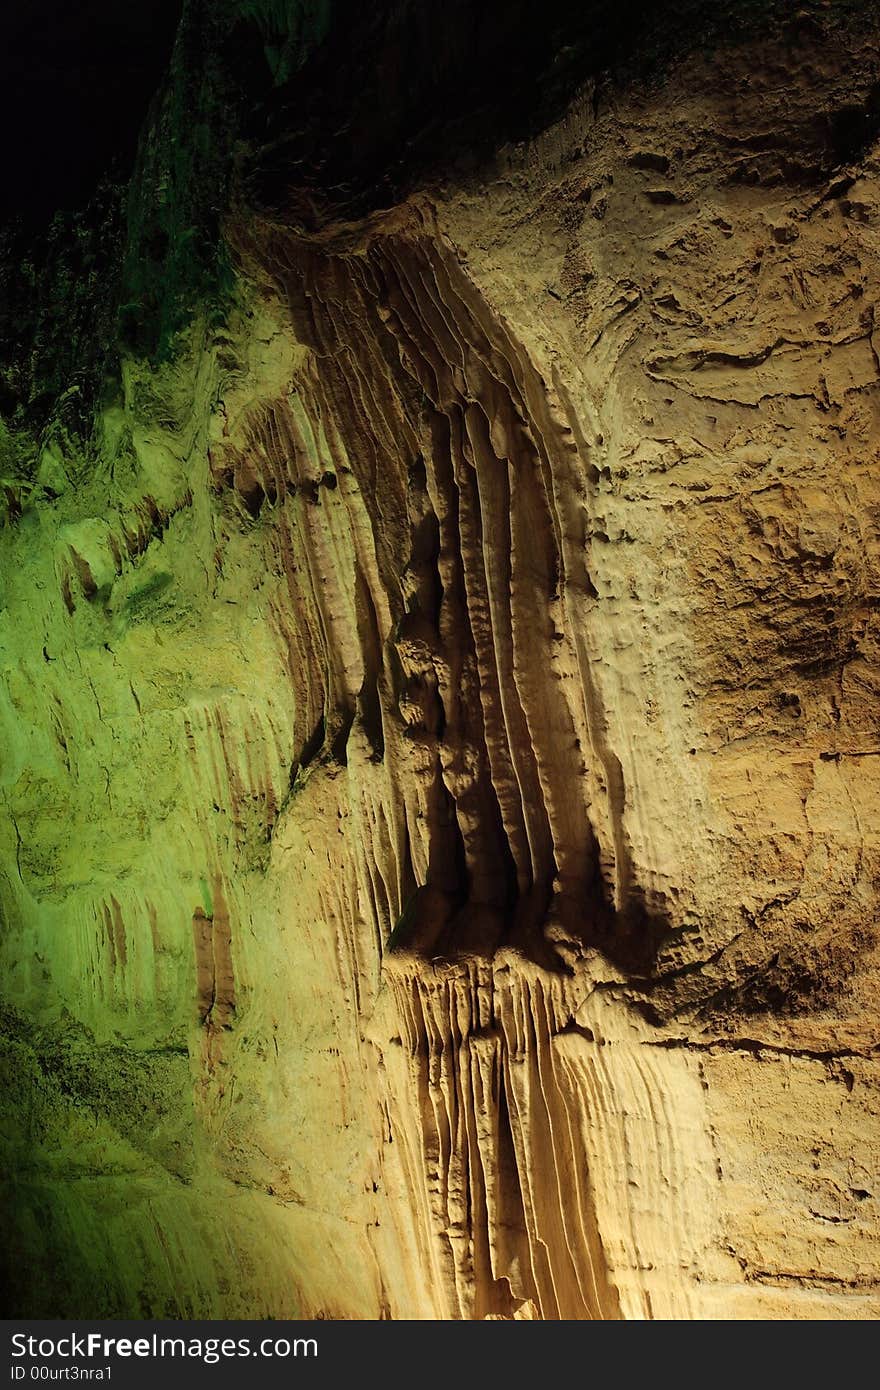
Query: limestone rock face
<point x="440" y="748"/>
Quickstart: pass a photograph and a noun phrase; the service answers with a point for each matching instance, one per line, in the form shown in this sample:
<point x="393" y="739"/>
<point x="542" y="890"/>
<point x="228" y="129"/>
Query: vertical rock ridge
<point x="489" y="443"/>
<point x="513" y="1090"/>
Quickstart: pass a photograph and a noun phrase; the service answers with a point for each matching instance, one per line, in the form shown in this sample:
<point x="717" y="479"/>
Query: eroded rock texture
<point x="441" y="747"/>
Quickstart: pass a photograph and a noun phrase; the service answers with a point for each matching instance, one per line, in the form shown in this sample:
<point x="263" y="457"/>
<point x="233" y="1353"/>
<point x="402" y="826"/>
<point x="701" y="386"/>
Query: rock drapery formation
<point x="440" y="743"/>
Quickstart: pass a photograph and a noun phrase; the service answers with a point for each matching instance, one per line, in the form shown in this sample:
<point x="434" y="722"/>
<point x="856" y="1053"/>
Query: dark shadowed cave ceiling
<point x="75" y="82"/>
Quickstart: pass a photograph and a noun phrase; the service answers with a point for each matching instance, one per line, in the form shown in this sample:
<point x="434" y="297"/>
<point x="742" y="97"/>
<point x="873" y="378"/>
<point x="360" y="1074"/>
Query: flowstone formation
<point x="440" y="732"/>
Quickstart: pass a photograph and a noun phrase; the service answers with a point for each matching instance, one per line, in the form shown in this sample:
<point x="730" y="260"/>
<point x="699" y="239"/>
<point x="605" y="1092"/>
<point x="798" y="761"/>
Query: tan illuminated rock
<point x="441" y="752"/>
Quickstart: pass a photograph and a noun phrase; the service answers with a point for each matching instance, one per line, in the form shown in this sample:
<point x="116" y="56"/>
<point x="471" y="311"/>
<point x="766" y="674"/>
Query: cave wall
<point x="440" y="852"/>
